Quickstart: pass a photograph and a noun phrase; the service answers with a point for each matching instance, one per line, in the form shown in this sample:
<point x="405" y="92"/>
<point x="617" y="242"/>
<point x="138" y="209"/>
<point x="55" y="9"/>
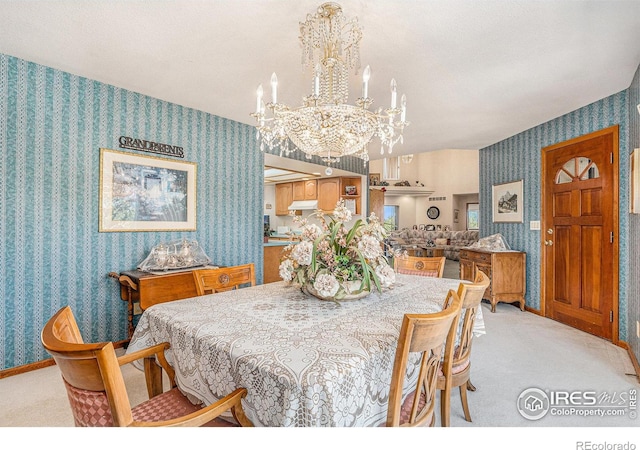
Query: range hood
<point x="303" y="205"/>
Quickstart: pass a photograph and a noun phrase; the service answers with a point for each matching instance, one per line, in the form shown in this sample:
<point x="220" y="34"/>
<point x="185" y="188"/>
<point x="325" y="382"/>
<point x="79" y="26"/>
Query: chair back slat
<point x="471" y="295"/>
<point x="210" y="281"/>
<point x="418" y="265"/>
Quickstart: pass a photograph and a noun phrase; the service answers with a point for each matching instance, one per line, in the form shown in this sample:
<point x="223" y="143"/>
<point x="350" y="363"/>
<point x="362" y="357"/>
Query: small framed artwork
<point x="374" y="179"/>
<point x="431" y="228"/>
<point x="508" y="202"/>
<point x="146" y="193"/>
<point x="350" y="190"/>
<point x="456" y="215"/>
<point x="421" y="227"/>
<point x="438" y="227"/>
<point x="634" y="179"/>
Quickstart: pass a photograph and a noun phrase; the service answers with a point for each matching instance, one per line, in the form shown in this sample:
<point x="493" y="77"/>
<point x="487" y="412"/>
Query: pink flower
<point x="327" y="285"/>
<point x="302" y="252"/>
<point x="370" y="247"/>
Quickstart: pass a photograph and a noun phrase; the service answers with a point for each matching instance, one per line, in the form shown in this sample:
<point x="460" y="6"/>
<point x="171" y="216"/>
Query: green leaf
<point x="353" y="230"/>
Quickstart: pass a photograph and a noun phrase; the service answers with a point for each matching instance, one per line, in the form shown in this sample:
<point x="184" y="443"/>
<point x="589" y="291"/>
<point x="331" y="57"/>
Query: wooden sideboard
<point x="148" y="289"/>
<point x="507" y="271"/>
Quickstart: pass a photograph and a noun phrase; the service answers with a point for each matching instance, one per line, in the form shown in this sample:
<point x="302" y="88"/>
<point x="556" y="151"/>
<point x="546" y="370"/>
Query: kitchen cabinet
<point x="326" y="190"/>
<point x="505" y="269"/>
<point x="305" y="190"/>
<point x="284" y="197"/>
<point x="328" y="193"/>
<point x="272" y="259"/>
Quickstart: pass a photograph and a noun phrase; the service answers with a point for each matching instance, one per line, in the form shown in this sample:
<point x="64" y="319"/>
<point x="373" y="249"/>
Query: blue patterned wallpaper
<point x="519" y="157"/>
<point x="633" y="295"/>
<point x="52" y="125"/>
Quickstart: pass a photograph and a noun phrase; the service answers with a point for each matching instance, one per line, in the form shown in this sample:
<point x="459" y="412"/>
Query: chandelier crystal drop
<point x="325" y="125"/>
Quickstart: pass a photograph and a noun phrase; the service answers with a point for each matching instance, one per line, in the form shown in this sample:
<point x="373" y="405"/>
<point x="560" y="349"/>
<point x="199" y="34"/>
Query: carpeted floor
<point x="520" y="350"/>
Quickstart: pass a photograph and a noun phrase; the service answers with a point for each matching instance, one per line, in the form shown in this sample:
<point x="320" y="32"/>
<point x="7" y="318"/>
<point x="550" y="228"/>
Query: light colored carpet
<point x="520" y="350"/>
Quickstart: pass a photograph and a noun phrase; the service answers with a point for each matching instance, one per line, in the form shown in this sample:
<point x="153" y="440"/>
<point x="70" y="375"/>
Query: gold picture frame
<point x="146" y="193"/>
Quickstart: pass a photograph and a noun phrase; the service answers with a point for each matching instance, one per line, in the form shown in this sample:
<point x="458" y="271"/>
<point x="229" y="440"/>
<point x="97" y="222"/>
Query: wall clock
<point x="433" y="212"/>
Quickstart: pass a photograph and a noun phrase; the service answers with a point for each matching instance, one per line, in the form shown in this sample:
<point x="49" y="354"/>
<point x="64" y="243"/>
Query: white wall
<point x="450" y="173"/>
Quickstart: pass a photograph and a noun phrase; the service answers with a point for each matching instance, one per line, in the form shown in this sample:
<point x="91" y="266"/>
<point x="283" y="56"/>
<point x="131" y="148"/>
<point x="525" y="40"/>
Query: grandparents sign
<point x="151" y="147"/>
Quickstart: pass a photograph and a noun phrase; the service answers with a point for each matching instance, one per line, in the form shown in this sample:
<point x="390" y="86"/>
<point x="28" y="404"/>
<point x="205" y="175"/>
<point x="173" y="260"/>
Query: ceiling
<point x="474" y="71"/>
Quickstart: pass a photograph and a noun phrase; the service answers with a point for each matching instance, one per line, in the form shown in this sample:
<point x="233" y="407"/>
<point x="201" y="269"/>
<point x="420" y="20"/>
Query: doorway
<point x="580" y="233"/>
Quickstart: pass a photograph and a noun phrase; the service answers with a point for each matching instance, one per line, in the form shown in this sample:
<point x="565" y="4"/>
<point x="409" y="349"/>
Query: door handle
<point x="549" y="242"/>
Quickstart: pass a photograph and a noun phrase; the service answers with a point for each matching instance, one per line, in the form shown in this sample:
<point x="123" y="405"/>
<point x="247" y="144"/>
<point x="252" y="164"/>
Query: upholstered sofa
<point x="450" y="241"/>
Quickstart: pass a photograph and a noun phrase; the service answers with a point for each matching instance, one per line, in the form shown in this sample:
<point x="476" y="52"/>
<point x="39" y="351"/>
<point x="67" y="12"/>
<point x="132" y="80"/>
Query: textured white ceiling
<point x="474" y="72"/>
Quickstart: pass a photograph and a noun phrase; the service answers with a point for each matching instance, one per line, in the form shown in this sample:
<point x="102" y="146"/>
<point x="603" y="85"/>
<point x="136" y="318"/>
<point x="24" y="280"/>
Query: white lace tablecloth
<point x="304" y="361"/>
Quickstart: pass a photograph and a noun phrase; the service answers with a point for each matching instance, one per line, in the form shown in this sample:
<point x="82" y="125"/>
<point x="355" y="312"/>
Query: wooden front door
<point x="580" y="233"/>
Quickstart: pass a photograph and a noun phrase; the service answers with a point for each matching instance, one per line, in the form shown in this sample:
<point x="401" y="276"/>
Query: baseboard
<point x="632" y="356"/>
<point x="26" y="368"/>
<point x="42" y="364"/>
<point x="534" y="311"/>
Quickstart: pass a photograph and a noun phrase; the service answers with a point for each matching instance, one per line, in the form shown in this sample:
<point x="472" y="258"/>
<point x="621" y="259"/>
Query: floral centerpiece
<point x="336" y="263"/>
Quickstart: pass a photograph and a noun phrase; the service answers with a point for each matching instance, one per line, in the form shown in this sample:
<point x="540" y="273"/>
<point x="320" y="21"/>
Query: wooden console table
<point x="507" y="271"/>
<point x="148" y="289"/>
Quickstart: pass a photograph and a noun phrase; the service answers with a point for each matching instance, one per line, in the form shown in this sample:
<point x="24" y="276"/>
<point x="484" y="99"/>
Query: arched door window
<point x="577" y="169"/>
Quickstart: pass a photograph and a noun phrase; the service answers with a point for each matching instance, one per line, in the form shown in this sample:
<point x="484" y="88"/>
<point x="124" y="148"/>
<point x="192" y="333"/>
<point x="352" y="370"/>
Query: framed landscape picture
<point x="146" y="193"/>
<point x="508" y="202"/>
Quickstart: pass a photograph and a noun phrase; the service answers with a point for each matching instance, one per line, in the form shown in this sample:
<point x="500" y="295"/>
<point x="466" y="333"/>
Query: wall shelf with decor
<point x="351" y="193"/>
<point x="416" y="191"/>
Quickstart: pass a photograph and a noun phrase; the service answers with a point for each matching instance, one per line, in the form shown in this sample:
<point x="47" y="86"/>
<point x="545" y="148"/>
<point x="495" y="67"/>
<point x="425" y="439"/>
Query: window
<point x="391" y="215"/>
<point x="473" y="216"/>
<point x="391" y="168"/>
<point x="577" y="169"/>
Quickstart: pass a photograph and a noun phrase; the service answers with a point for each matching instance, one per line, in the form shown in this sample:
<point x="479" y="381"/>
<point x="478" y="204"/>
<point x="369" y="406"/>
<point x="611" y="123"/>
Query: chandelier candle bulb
<point x="259" y="93"/>
<point x="365" y="82"/>
<point x="393" y="93"/>
<point x="403" y="106"/>
<point x="274" y="88"/>
<point x="316" y="81"/>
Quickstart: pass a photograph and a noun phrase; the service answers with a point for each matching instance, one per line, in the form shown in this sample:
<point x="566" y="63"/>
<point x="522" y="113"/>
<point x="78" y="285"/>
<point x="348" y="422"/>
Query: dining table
<point x="304" y="361"/>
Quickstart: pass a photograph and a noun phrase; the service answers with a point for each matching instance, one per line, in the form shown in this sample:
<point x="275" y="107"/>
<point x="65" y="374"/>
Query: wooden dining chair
<point x="420" y="265"/>
<point x="96" y="389"/>
<point x="210" y="281"/>
<point x="456" y="367"/>
<point x="425" y="335"/>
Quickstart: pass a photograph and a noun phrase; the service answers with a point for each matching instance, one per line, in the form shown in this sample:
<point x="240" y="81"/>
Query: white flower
<point x="302" y="252"/>
<point x="341" y="213"/>
<point x="327" y="285"/>
<point x="311" y="232"/>
<point x="286" y="270"/>
<point x="386" y="275"/>
<point x="370" y="247"/>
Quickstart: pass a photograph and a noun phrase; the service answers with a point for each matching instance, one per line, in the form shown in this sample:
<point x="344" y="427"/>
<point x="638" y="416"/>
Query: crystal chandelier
<point x="325" y="125"/>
